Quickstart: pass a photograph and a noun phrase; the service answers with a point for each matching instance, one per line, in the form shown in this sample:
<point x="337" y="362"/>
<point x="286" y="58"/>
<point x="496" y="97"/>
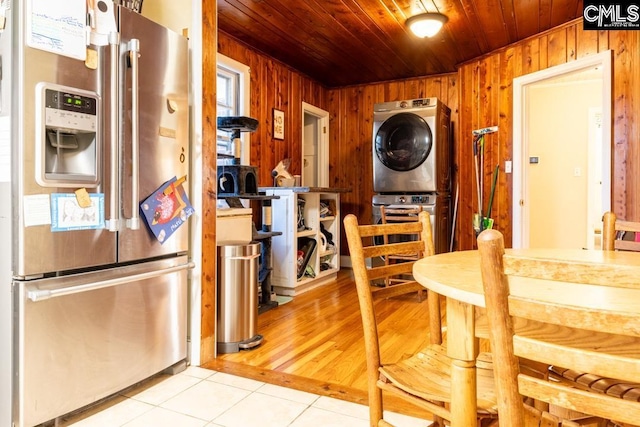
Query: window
<point x="232" y="89"/>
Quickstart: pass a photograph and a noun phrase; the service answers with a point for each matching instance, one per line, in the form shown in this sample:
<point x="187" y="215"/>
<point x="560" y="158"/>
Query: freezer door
<point x="163" y="124"/>
<point x="37" y="248"/>
<point x="84" y="337"/>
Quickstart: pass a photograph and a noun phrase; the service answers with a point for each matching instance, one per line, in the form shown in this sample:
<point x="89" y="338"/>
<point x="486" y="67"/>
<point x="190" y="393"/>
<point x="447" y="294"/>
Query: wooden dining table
<point x="457" y="277"/>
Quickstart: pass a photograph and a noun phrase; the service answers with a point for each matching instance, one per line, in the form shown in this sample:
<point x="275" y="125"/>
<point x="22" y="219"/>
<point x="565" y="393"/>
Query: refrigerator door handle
<point x="113" y="222"/>
<point x="134" y="50"/>
<point x="36" y="295"/>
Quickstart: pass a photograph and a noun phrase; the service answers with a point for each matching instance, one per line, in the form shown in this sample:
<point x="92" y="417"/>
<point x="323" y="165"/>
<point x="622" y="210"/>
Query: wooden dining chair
<point x="396" y="215"/>
<point x="590" y="340"/>
<point x="620" y="235"/>
<point x="423" y="378"/>
<point x="616" y="235"/>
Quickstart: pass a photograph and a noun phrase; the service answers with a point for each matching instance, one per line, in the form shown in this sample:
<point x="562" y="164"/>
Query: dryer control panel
<point x="421" y="102"/>
<point x="421" y="200"/>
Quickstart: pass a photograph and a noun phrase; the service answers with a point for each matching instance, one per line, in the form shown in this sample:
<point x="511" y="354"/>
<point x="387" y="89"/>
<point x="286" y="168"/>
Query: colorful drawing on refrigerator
<point x="68" y="215"/>
<point x="167" y="209"/>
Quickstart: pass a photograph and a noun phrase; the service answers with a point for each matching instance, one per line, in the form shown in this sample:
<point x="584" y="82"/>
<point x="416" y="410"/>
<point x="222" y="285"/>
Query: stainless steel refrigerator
<point x="97" y="302"/>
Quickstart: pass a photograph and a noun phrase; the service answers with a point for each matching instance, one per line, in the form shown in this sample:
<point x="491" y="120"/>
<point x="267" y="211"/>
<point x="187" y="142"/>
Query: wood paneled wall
<point x="486" y="99"/>
<point x="209" y="180"/>
<point x="274" y="85"/>
<point x="479" y="95"/>
<point x="351" y="125"/>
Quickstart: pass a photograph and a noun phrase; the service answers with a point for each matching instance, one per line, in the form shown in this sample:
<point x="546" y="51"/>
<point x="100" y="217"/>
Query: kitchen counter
<point x="308" y="189"/>
<point x="307" y="254"/>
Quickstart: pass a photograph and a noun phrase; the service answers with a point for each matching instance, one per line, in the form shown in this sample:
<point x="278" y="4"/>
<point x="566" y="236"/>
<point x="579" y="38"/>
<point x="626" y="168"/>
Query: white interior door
<point x="315" y="146"/>
<point x="561" y="154"/>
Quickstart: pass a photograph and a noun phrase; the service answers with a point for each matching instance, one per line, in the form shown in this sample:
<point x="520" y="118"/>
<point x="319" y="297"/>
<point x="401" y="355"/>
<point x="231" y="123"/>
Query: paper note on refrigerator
<point x="58" y="26"/>
<point x="36" y="210"/>
<point x="167" y="209"/>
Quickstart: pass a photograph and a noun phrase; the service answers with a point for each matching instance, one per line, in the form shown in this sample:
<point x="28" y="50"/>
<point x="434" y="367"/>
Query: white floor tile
<point x="235" y="381"/>
<point x="198" y="372"/>
<point x="342" y="407"/>
<point x="159" y="417"/>
<point x="288" y="393"/>
<point x="314" y="417"/>
<point x="261" y="410"/>
<point x="206" y="400"/>
<point x="113" y="413"/>
<point x="167" y="387"/>
<point x="202" y="398"/>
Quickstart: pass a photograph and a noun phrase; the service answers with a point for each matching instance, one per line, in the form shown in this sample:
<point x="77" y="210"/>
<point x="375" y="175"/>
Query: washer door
<point x="403" y="142"/>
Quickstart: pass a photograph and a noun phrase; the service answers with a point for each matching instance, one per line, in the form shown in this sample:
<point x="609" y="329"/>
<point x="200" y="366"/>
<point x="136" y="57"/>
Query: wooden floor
<point x="314" y="343"/>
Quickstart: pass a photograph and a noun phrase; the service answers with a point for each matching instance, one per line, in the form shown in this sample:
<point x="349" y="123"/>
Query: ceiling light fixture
<point x="426" y="24"/>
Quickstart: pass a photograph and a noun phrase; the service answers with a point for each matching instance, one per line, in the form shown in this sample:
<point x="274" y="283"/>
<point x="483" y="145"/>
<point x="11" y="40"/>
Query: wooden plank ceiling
<point x="346" y="42"/>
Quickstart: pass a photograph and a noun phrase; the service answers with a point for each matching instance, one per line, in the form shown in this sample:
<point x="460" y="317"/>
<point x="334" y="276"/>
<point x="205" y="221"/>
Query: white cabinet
<point x="307" y="254"/>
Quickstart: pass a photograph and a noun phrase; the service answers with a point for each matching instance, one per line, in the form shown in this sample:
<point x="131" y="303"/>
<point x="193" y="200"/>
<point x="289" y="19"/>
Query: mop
<point x="477" y="218"/>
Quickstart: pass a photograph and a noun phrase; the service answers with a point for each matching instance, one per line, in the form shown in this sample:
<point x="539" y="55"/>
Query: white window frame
<point x="243" y="72"/>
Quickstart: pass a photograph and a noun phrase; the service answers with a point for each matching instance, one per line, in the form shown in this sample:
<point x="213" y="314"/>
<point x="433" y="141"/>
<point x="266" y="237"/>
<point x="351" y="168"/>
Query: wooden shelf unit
<point x="324" y="262"/>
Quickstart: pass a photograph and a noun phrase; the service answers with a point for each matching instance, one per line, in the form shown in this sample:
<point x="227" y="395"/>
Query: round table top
<point x="457" y="275"/>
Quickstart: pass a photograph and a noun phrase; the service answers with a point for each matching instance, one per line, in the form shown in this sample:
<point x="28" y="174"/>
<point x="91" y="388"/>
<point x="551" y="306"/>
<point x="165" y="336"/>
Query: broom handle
<point x="481" y="174"/>
<point x="493" y="189"/>
<point x="477" y="166"/>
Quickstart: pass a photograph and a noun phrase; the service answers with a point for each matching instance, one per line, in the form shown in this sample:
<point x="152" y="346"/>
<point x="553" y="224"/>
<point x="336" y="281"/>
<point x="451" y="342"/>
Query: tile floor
<point x="202" y="398"/>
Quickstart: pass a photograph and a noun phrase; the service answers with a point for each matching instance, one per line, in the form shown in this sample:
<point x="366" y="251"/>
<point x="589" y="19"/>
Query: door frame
<point x="520" y="224"/>
<point x="322" y="138"/>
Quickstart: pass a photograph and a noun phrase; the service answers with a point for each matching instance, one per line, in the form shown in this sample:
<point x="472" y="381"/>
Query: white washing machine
<point x="412" y="146"/>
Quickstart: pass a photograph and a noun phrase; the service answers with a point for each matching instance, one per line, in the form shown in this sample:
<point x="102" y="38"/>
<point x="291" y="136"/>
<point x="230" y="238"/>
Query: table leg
<point x="463" y="349"/>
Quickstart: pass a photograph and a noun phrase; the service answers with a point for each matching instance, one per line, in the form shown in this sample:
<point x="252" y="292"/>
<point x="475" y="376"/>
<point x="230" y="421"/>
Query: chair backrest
<point x="363" y="251"/>
<point x="395" y="215"/>
<point x="620" y="235"/>
<point x="401" y="214"/>
<point x="542" y="344"/>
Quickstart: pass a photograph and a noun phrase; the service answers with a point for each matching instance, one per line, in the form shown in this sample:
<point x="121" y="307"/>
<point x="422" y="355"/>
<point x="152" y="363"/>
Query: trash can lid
<point x="240" y="249"/>
<point x="236" y="243"/>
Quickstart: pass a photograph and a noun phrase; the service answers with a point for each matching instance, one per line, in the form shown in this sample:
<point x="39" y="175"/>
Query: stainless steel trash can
<point x="237" y="306"/>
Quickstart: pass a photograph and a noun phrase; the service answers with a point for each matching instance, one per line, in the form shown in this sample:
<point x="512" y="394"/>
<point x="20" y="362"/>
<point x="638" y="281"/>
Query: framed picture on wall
<point x="278" y="124"/>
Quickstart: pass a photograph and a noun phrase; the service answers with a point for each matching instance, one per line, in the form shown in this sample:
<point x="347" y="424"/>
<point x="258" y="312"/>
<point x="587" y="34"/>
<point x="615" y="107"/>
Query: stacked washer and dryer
<point x="412" y="161"/>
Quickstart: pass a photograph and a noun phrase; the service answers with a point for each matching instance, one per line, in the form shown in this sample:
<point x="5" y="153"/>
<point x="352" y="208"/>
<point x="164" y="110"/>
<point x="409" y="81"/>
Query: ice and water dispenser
<point x="68" y="141"/>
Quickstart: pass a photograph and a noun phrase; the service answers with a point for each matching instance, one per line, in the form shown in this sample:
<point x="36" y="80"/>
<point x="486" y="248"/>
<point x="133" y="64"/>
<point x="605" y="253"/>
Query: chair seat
<point x="432" y="362"/>
<point x="610" y="386"/>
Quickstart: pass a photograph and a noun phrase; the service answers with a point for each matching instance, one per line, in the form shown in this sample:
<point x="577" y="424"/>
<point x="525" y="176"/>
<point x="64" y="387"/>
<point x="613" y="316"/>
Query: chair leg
<point x="375" y="408"/>
<point x="437" y="422"/>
